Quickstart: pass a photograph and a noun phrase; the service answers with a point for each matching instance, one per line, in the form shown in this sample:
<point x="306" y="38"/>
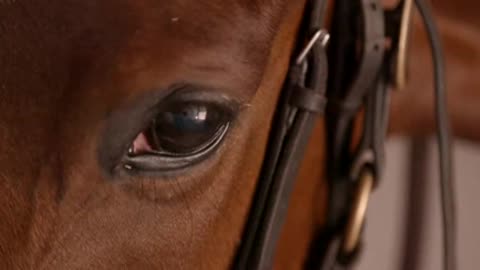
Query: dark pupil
<point x="184" y="128"/>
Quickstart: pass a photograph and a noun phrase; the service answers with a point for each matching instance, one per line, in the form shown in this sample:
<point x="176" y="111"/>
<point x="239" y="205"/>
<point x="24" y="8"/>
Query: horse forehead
<point x="229" y="32"/>
<point x="206" y="20"/>
<point x="41" y="40"/>
<point x="46" y="46"/>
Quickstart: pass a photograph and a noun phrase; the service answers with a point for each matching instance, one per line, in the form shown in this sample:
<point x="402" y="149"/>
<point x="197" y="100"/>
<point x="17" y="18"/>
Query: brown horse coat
<point x="68" y="67"/>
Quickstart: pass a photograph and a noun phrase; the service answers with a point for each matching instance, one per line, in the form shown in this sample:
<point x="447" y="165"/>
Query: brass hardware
<point x="401" y="61"/>
<point x="358" y="212"/>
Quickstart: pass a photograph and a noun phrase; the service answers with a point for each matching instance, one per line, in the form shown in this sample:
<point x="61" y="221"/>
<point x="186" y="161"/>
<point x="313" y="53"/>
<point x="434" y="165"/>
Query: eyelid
<point x="150" y="161"/>
<point x="192" y="95"/>
<point x="123" y="124"/>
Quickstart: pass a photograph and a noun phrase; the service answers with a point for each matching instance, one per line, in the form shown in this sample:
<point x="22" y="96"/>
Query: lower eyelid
<point x="152" y="163"/>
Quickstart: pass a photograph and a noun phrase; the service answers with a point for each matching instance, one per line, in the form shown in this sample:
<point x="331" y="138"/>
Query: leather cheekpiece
<point x="307" y="99"/>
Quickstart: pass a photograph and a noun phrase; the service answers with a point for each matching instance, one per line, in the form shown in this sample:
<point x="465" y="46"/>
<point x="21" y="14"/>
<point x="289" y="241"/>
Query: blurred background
<point x="386" y="223"/>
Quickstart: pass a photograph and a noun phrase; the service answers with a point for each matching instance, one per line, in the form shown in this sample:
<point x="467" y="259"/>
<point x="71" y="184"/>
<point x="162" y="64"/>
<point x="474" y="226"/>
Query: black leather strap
<point x="308" y="100"/>
<point x="359" y="76"/>
<point x="302" y="101"/>
<point x="356" y="57"/>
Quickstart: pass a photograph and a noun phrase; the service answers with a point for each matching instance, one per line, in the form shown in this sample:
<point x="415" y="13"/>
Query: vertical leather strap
<point x="302" y="101"/>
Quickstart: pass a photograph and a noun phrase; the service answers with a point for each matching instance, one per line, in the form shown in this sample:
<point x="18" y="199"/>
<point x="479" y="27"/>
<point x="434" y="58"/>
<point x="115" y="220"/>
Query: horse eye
<point x="183" y="129"/>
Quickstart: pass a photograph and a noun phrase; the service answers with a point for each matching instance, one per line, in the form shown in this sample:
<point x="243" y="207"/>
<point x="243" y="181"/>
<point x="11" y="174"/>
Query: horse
<point x="89" y="89"/>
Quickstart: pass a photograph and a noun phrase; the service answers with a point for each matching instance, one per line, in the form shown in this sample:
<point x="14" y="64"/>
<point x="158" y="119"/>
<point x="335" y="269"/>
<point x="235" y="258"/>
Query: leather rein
<point x="338" y="75"/>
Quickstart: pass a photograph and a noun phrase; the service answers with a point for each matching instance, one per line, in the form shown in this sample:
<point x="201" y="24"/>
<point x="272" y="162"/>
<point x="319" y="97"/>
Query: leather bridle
<point x="360" y="70"/>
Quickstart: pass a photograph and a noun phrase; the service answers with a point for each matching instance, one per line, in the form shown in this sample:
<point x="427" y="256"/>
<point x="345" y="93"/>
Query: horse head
<point x="133" y="133"/>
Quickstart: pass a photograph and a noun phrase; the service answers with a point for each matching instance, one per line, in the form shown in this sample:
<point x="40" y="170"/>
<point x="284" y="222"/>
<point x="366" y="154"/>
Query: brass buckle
<point x="401" y="75"/>
<point x="356" y="218"/>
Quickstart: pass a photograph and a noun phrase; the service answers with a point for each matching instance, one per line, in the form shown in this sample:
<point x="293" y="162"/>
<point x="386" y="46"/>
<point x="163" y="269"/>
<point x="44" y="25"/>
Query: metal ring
<point x="358" y="212"/>
<point x="363" y="158"/>
<point x="401" y="63"/>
